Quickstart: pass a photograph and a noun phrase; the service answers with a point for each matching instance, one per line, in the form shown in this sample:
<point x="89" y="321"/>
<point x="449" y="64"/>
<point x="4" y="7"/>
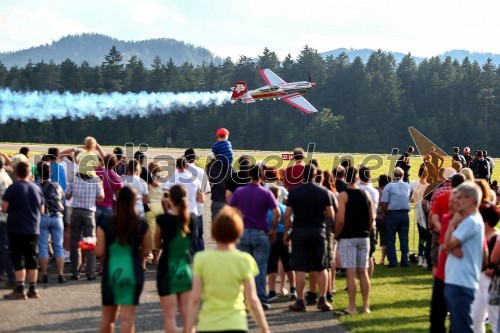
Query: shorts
<point x="23" y="250"/>
<point x="354" y="252"/>
<point x="309" y="249"/>
<point x="279" y="251"/>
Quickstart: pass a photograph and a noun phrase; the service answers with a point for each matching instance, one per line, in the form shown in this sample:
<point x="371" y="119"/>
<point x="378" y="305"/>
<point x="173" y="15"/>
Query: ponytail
<point x="178" y="195"/>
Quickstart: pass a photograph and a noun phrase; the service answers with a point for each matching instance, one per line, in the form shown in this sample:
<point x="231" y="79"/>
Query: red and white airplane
<point x="276" y="88"/>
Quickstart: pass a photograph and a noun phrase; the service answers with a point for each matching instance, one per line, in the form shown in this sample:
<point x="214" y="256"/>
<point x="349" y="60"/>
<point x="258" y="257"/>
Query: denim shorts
<point x="54" y="227"/>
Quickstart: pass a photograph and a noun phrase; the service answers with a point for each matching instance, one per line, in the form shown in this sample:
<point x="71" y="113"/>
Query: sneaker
<point x="62" y="279"/>
<point x="43" y="279"/>
<point x="324" y="306"/>
<point x="75" y="277"/>
<point x="293" y="294"/>
<point x="67" y="259"/>
<point x="424" y="263"/>
<point x="297" y="307"/>
<point x="420" y="261"/>
<point x="266" y="306"/>
<point x="272" y="296"/>
<point x="91" y="277"/>
<point x="16" y="295"/>
<point x="329" y="296"/>
<point x="33" y="293"/>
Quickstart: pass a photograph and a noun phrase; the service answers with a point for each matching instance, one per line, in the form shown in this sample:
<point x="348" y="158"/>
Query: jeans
<point x="216" y="207"/>
<point x="256" y="243"/>
<point x="54" y="227"/>
<point x="194" y="234"/>
<point x="201" y="242"/>
<point x="439" y="310"/>
<point x="459" y="301"/>
<point x="101" y="214"/>
<point x="397" y="221"/>
<point x="4" y="253"/>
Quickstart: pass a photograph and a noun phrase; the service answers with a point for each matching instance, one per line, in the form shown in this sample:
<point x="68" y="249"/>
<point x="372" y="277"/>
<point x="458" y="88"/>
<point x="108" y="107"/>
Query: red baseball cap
<point x="221" y="132"/>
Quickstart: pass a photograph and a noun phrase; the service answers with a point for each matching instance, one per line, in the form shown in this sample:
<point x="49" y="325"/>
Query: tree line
<point x="364" y="107"/>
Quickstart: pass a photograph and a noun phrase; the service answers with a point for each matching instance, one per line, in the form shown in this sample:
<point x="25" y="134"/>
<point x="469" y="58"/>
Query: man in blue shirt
<point x="395" y="203"/>
<point x="23" y="201"/>
<point x="464" y="243"/>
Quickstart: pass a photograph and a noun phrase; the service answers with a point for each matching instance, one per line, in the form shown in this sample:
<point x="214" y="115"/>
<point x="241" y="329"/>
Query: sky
<point x="235" y="27"/>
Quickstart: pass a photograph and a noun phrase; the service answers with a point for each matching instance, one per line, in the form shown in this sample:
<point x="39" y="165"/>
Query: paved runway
<point x="76" y="305"/>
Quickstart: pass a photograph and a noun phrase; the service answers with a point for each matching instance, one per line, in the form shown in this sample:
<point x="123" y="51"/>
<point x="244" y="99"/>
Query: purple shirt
<point x="111" y="184"/>
<point x="253" y="201"/>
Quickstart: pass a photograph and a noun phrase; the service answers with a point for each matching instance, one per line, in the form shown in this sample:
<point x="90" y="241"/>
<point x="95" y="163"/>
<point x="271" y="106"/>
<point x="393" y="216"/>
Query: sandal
<point x="343" y="312"/>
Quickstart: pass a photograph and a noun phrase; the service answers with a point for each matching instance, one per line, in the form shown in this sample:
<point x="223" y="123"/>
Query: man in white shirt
<point x="195" y="170"/>
<point x="194" y="189"/>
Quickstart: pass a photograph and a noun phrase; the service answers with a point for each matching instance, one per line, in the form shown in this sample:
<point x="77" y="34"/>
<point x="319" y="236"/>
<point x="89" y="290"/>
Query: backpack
<point x="461" y="159"/>
<point x="53" y="197"/>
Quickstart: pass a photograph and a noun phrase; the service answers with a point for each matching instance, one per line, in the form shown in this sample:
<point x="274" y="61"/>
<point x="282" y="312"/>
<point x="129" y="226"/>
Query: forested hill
<point x="92" y="48"/>
<point x="364" y="107"/>
<point x="460" y="55"/>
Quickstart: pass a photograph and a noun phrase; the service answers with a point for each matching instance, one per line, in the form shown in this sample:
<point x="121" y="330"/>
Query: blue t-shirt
<point x="25" y="199"/>
<point x="281" y="223"/>
<point x="465" y="271"/>
<point x="58" y="174"/>
<point x="254" y="201"/>
<point x="397" y="195"/>
<point x="223" y="151"/>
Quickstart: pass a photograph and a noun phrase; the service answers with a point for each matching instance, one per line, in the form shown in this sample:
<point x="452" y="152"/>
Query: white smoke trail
<point x="47" y="105"/>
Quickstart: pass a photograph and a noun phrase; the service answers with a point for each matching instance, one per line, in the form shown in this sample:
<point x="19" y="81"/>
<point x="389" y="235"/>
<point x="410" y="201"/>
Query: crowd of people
<point x="300" y="222"/>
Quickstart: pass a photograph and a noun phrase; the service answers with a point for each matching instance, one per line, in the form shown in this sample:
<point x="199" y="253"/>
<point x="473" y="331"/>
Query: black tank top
<point x="357" y="220"/>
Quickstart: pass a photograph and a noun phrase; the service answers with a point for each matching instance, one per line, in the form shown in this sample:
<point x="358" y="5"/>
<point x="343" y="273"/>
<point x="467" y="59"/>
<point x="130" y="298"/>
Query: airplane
<point x="276" y="88"/>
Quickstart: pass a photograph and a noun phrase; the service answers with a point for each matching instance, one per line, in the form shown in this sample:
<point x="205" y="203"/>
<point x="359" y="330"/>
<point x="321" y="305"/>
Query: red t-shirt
<point x="445" y="222"/>
<point x="441" y="204"/>
<point x="293" y="176"/>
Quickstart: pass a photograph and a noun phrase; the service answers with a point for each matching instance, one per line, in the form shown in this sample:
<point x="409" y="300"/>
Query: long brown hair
<point x="126" y="221"/>
<point x="178" y="196"/>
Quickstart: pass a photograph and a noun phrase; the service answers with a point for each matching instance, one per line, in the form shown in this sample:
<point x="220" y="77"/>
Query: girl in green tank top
<point x="123" y="241"/>
<point x="174" y="277"/>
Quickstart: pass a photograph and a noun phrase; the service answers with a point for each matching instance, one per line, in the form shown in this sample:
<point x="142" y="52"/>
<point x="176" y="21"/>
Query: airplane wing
<point x="299" y="102"/>
<point x="270" y="78"/>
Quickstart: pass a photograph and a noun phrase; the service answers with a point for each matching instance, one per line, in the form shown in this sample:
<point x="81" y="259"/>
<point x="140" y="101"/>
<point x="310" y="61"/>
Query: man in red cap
<point x="222" y="149"/>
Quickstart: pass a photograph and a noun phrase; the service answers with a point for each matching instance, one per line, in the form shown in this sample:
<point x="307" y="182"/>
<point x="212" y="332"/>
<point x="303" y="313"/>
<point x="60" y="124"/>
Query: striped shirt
<point x="223" y="151"/>
<point x="85" y="192"/>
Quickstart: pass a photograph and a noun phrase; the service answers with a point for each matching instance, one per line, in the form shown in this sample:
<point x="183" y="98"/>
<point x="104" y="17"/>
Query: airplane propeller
<point x="310" y="80"/>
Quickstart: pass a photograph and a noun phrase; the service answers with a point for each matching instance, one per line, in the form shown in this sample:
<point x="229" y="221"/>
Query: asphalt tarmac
<point x="76" y="305"/>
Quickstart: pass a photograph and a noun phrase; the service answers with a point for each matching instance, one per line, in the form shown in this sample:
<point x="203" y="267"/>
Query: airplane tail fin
<point x="240" y="89"/>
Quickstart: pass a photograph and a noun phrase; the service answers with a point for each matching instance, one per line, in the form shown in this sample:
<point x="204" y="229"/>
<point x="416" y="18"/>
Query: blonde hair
<point x="467" y="172"/>
<point x="90" y="142"/>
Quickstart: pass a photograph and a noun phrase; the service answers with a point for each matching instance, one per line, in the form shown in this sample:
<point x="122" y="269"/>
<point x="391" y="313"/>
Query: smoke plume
<point x="48" y="105"/>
